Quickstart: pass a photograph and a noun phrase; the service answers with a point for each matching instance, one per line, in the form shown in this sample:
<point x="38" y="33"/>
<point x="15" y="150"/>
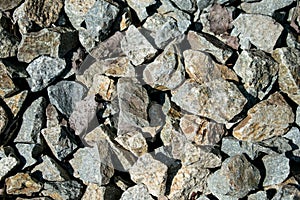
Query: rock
<point x="8" y="4"/>
<point x="36" y="198"/>
<point x="140" y="7"/>
<point x="7" y="86"/>
<point x="60" y="141"/>
<point x="277" y="169"/>
<point x="288" y="59"/>
<point x="43" y="71"/>
<point x="43" y="12"/>
<point x="150" y="172"/>
<point x="9" y="44"/>
<point x="52" y="116"/>
<point x="136" y="192"/>
<point x="20" y="17"/>
<point x="13" y="69"/>
<point x="65" y="94"/>
<point x="94" y="191"/>
<point x="103" y="86"/>
<point x="287" y="192"/>
<point x="16" y="102"/>
<point x="33" y="121"/>
<point x="298" y="116"/>
<point x="221" y="99"/>
<point x="50" y="170"/>
<point x="167" y="71"/>
<point x="277" y="144"/>
<point x="8" y="162"/>
<point x="265" y="7"/>
<point x="262" y="195"/>
<point x="188" y="6"/>
<point x="250" y="29"/>
<point x="258" y="72"/>
<point x="133" y="103"/>
<point x="65" y="190"/>
<point x="136" y="47"/>
<point x="269" y="118"/>
<point x="29" y="153"/>
<point x="22" y="183"/>
<point x="126" y="20"/>
<point x="3" y="119"/>
<point x="189" y="179"/>
<point x="55" y="42"/>
<point x="236" y="178"/>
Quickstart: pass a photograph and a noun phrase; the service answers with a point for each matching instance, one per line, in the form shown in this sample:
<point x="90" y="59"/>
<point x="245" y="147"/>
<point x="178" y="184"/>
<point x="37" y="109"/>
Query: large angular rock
<point x="140" y="7"/>
<point x="236" y="178"/>
<point x="9" y="4"/>
<point x="43" y="71"/>
<point x="8" y="162"/>
<point x="136" y="192"/>
<point x="251" y="29"/>
<point x="258" y="72"/>
<point x="3" y="119"/>
<point x="9" y="44"/>
<point x="65" y="94"/>
<point x="63" y="190"/>
<point x="218" y="99"/>
<point x="55" y="42"/>
<point x="265" y="120"/>
<point x="29" y="153"/>
<point x="150" y="172"/>
<point x="289" y="70"/>
<point x="20" y="16"/>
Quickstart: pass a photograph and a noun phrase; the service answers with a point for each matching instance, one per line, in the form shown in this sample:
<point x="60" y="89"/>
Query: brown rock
<point x="6" y="85"/>
<point x="15" y="102"/>
<point x="3" y="119"/>
<point x="103" y="86"/>
<point x="9" y="4"/>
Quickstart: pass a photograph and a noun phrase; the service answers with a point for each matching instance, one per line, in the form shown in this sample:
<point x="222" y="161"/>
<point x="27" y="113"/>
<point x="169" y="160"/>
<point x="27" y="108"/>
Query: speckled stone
<point x="287" y="192"/>
<point x="16" y="102"/>
<point x="3" y="119"/>
<point x="140" y="7"/>
<point x="9" y="4"/>
<point x="7" y="162"/>
<point x="108" y="192"/>
<point x="9" y="44"/>
<point x="298" y="116"/>
<point x="6" y="85"/>
<point x="29" y="153"/>
<point x="136" y="192"/>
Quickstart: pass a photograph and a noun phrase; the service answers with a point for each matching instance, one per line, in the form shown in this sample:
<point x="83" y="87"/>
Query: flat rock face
<point x="258" y="72"/>
<point x="236" y="178"/>
<point x="266" y="119"/>
<point x="289" y="70"/>
<point x="136" y="192"/>
<point x="251" y="29"/>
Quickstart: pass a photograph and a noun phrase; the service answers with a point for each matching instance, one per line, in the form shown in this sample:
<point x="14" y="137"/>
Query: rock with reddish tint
<point x="269" y="118"/>
<point x="136" y="192"/>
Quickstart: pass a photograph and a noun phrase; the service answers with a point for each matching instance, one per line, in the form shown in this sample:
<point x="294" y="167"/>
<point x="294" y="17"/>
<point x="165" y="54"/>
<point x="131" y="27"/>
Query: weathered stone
<point x="52" y="116"/>
<point x="9" y="44"/>
<point x="140" y="7"/>
<point x="137" y="48"/>
<point x="279" y="145"/>
<point x="265" y="120"/>
<point x="60" y="141"/>
<point x="265" y="7"/>
<point x="260" y="195"/>
<point x="136" y="192"/>
<point x="29" y="153"/>
<point x="9" y="4"/>
<point x="289" y="70"/>
<point x="94" y="191"/>
<point x="55" y="42"/>
<point x="15" y="102"/>
<point x="22" y="183"/>
<point x="43" y="12"/>
<point x="20" y="16"/>
<point x="126" y="20"/>
<point x="251" y="29"/>
<point x="258" y="72"/>
<point x="8" y="162"/>
<point x="221" y="99"/>
<point x="150" y="172"/>
<point x="164" y="155"/>
<point x="65" y="94"/>
<point x="277" y="169"/>
<point x="3" y="119"/>
<point x="103" y="86"/>
<point x="133" y="103"/>
<point x="298" y="116"/>
<point x="65" y="190"/>
<point x="167" y="71"/>
<point x="43" y="71"/>
<point x="236" y="178"/>
<point x="287" y="192"/>
<point x="6" y="85"/>
<point x="33" y="122"/>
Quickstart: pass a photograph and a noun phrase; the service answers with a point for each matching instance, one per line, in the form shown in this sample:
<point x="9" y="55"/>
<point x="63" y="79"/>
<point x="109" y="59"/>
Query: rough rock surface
<point x="7" y="85"/>
<point x="141" y="7"/>
<point x="9" y="4"/>
<point x="7" y="162"/>
<point x="266" y="119"/>
<point x="15" y="102"/>
<point x="63" y="190"/>
<point x="136" y="192"/>
<point x="293" y="135"/>
<point x="29" y="153"/>
<point x="298" y="116"/>
<point x="9" y="44"/>
<point x="287" y="192"/>
<point x="3" y="119"/>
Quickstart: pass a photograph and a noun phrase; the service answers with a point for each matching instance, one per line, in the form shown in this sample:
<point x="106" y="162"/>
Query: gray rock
<point x="258" y="72"/>
<point x="265" y="7"/>
<point x="67" y="190"/>
<point x="55" y="42"/>
<point x="137" y="48"/>
<point x="3" y="119"/>
<point x="9" y="44"/>
<point x="277" y="169"/>
<point x="287" y="192"/>
<point x="277" y="144"/>
<point x="260" y="195"/>
<point x="220" y="99"/>
<point x="298" y="116"/>
<point x="251" y="29"/>
<point x="29" y="153"/>
<point x="150" y="172"/>
<point x="236" y="178"/>
<point x="8" y="162"/>
<point x="188" y="5"/>
<point x="9" y="4"/>
<point x="140" y="7"/>
<point x="267" y="119"/>
<point x="43" y="71"/>
<point x="33" y="122"/>
<point x="136" y="192"/>
<point x="65" y="94"/>
<point x="288" y="59"/>
<point x="52" y="116"/>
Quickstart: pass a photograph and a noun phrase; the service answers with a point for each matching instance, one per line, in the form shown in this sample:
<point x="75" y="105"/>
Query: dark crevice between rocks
<point x="172" y="171"/>
<point x="152" y="9"/>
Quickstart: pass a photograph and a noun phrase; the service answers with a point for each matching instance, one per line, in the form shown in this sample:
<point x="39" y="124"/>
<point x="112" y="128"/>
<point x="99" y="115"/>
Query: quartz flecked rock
<point x="63" y="190"/>
<point x="33" y="122"/>
<point x="6" y="85"/>
<point x="298" y="116"/>
<point x="136" y="192"/>
<point x="55" y="42"/>
<point x="167" y="71"/>
<point x="65" y="94"/>
<point x="9" y="44"/>
<point x="94" y="191"/>
<point x="293" y="135"/>
<point x="277" y="169"/>
<point x="43" y="12"/>
<point x="261" y="195"/>
<point x="236" y="178"/>
<point x="289" y="70"/>
<point x="16" y="102"/>
<point x="221" y="99"/>
<point x="287" y="192"/>
<point x="3" y="119"/>
<point x="265" y="7"/>
<point x="133" y="103"/>
<point x="29" y="153"/>
<point x="9" y="4"/>
<point x="140" y="7"/>
<point x="150" y="172"/>
<point x="43" y="71"/>
<point x="136" y="46"/>
<point x="258" y="72"/>
<point x="251" y="29"/>
<point x="7" y="162"/>
<point x="22" y="183"/>
<point x="269" y="118"/>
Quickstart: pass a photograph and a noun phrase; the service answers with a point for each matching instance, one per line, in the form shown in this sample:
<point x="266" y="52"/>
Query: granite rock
<point x="140" y="7"/>
<point x="9" y="44"/>
<point x="136" y="192"/>
<point x="9" y="4"/>
<point x="293" y="135"/>
<point x="104" y="86"/>
<point x="269" y="118"/>
<point x="262" y="195"/>
<point x="15" y="102"/>
<point x="29" y="153"/>
<point x="8" y="162"/>
<point x="3" y="119"/>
